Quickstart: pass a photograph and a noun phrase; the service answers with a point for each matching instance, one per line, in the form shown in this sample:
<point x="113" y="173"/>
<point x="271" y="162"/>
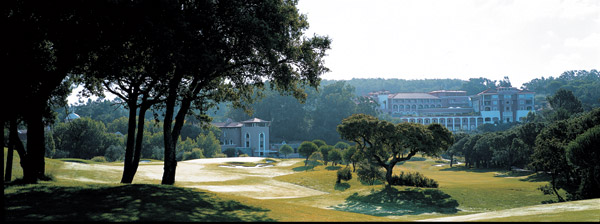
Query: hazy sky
<point x="462" y="39"/>
<point x="425" y="39"/>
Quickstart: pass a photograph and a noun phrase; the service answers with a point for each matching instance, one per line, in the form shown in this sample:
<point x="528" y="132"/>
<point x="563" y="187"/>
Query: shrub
<point x="314" y="158"/>
<point x="286" y="150"/>
<point x="230" y="152"/>
<point x="99" y="159"/>
<point x="114" y="153"/>
<point x="220" y="155"/>
<point x="369" y="174"/>
<point x="415" y="179"/>
<point x="196" y="153"/>
<point x="344" y="174"/>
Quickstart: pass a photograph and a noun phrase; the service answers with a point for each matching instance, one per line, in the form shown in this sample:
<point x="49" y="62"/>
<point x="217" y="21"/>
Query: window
<point x="247" y="140"/>
<point x="507" y="108"/>
<point x="261" y="142"/>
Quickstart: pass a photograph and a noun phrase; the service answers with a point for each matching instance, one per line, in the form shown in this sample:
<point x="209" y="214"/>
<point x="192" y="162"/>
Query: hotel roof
<point x="413" y="96"/>
<point x="234" y="124"/>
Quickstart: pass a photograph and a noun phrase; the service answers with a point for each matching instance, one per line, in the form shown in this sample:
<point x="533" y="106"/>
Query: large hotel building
<point x="455" y="109"/>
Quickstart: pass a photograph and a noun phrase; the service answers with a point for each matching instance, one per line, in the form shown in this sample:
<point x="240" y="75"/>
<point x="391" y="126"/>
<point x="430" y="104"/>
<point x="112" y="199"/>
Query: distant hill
<point x="364" y="86"/>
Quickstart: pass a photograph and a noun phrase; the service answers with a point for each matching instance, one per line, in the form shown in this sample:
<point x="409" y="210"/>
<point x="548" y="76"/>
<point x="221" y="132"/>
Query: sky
<point x="459" y="39"/>
<point x="462" y="39"/>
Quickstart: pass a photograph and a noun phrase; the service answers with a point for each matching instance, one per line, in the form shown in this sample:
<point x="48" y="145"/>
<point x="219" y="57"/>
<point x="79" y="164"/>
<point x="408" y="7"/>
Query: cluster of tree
<point x="86" y="138"/>
<point x="182" y="57"/>
<point x="561" y="142"/>
<point x="584" y="84"/>
<point x="364" y="86"/>
<point x="317" y="150"/>
<point x="315" y="118"/>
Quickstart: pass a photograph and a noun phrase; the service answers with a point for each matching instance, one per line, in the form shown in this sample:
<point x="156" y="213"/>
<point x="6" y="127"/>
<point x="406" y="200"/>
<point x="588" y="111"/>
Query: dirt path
<point x="592" y="204"/>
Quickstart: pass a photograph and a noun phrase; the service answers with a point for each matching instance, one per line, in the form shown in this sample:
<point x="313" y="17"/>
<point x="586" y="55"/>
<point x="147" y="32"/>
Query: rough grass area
<point x="123" y="203"/>
<point x="393" y="202"/>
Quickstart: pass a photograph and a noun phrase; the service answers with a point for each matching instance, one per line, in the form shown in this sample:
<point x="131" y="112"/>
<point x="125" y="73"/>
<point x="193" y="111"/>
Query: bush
<point x="196" y="153"/>
<point x="61" y="154"/>
<point x="415" y="179"/>
<point x="344" y="174"/>
<point x="369" y="174"/>
<point x="230" y="152"/>
<point x="114" y="153"/>
<point x="99" y="159"/>
<point x="220" y="155"/>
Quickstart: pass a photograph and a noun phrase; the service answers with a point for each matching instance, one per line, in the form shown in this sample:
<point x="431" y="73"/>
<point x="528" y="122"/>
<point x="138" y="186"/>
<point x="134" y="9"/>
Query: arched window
<point x="261" y="142"/>
<point x="247" y="140"/>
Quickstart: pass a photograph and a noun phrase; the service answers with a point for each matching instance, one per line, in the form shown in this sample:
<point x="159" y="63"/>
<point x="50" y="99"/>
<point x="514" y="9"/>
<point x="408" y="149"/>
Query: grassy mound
<point x="391" y="202"/>
<point x="123" y="203"/>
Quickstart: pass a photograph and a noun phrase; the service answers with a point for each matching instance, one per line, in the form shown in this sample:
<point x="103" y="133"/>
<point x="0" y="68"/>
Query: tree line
<point x="561" y="142"/>
<point x="183" y="57"/>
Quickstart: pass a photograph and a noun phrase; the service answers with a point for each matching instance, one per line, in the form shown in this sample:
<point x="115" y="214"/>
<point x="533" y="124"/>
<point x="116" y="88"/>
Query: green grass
<point x="73" y="195"/>
<point x="123" y="203"/>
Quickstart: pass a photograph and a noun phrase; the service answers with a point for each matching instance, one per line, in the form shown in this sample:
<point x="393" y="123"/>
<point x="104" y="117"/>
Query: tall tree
<point x="385" y="144"/>
<point x="133" y="61"/>
<point x="564" y="104"/>
<point x="228" y="49"/>
<point x="46" y="40"/>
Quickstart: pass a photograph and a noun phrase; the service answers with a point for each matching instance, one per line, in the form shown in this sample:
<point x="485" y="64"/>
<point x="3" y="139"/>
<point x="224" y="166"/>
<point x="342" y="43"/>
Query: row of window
<point x="416" y="101"/>
<point x="261" y="141"/>
<point x="261" y="136"/>
<point x="507" y="108"/>
<point x="414" y="107"/>
<point x="495" y="102"/>
<point x="505" y="96"/>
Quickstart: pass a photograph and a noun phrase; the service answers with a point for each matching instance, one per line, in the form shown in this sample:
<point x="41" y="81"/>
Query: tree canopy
<point x="386" y="144"/>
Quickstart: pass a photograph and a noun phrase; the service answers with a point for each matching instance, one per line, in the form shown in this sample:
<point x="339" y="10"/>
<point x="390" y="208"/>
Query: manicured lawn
<point x="93" y="194"/>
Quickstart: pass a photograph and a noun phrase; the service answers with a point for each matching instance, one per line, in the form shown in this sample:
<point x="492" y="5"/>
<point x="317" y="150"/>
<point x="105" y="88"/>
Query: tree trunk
<point x="137" y="149"/>
<point x="35" y="147"/>
<point x="389" y="169"/>
<point x="451" y="160"/>
<point x="128" y="172"/>
<point x="171" y="134"/>
<point x="170" y="162"/>
<point x="9" y="155"/>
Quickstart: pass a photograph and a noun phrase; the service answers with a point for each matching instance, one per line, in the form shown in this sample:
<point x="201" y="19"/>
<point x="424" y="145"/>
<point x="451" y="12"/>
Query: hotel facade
<point x="456" y="110"/>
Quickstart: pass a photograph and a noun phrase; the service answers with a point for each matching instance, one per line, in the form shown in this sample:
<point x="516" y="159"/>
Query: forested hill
<point x="364" y="86"/>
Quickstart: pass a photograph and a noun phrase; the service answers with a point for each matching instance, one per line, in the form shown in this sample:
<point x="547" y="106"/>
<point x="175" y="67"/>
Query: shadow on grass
<point x="303" y="168"/>
<point x="476" y="170"/>
<point x="124" y="203"/>
<point x="537" y="177"/>
<point x="341" y="186"/>
<point x="392" y="202"/>
<point x="333" y="167"/>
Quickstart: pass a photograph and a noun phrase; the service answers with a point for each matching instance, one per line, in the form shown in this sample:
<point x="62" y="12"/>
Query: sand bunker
<point x="524" y="211"/>
<point x="202" y="173"/>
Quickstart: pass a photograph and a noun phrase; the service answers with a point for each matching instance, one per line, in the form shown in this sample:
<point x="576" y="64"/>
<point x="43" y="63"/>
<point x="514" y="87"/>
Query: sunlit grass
<point x="475" y="191"/>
